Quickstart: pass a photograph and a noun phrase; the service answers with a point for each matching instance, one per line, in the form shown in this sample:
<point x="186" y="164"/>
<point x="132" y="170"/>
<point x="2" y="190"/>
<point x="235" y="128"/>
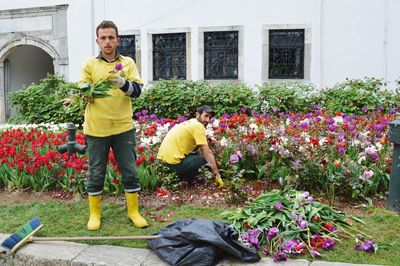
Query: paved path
<point x="59" y="253"/>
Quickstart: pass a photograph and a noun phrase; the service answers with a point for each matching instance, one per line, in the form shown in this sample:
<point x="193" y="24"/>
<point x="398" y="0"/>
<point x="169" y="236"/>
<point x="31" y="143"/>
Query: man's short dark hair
<point x="106" y="24"/>
<point x="205" y="109"/>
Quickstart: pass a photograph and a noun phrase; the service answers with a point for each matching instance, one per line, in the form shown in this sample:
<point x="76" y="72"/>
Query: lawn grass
<point x="69" y="219"/>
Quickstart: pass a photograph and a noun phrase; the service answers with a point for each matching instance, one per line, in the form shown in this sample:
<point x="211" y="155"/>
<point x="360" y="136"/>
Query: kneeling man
<point x="179" y="147"/>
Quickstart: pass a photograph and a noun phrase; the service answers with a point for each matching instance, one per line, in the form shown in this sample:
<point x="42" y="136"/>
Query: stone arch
<point x="8" y="48"/>
<point x="25" y="40"/>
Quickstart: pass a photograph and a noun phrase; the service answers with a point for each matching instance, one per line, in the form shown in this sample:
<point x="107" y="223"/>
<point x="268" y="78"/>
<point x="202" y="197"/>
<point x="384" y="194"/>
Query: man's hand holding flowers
<point x="117" y="80"/>
<point x="130" y="88"/>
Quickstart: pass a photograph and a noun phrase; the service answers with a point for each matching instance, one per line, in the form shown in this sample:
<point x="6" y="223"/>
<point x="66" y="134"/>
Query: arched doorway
<point x="26" y="64"/>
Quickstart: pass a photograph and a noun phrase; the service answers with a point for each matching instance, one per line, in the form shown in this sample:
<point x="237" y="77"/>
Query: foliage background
<point x="44" y="102"/>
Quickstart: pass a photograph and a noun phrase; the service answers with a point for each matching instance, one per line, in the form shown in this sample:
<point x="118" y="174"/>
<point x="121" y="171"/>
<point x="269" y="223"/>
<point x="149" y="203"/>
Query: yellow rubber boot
<point x="95" y="212"/>
<point x="132" y="204"/>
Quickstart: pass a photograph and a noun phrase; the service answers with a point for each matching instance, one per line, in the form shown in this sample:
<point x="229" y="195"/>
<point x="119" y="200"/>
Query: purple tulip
<point x="330" y="121"/>
<point x="315" y="253"/>
<point x="234" y="158"/>
<point x="302" y="224"/>
<point x="251" y="149"/>
<point x="278" y="206"/>
<point x="266" y="252"/>
<point x="251" y="237"/>
<point x="351" y="127"/>
<point x="309" y="199"/>
<point x="367" y="246"/>
<point x="332" y="128"/>
<point x="119" y="67"/>
<point x="303" y="125"/>
<point x="329" y="243"/>
<point x="181" y="119"/>
<point x="280" y="256"/>
<point x="272" y="232"/>
<point x="341" y="150"/>
<point x="378" y="127"/>
<point x="289" y="246"/>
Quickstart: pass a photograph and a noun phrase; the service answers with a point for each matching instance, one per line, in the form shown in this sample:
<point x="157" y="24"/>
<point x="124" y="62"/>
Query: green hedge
<point x="357" y="96"/>
<point x="174" y="98"/>
<point x="44" y="102"/>
<point x="286" y="96"/>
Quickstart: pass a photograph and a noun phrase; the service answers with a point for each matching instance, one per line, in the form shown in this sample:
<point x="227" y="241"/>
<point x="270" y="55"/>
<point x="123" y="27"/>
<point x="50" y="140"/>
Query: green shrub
<point x="286" y="96"/>
<point x="352" y="96"/>
<point x="174" y="98"/>
<point x="43" y="102"/>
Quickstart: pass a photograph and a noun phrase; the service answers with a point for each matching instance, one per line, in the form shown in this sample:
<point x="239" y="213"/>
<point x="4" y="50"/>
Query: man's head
<point x="107" y="37"/>
<point x="204" y="114"/>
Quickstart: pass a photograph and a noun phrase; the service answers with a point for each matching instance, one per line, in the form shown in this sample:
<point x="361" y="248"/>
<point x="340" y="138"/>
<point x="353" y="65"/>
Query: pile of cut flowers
<point x="83" y="93"/>
<point x="283" y="224"/>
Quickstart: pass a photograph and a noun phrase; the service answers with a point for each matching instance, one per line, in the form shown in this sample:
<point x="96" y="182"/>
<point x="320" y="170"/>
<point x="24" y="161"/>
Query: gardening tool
<point x="26" y="234"/>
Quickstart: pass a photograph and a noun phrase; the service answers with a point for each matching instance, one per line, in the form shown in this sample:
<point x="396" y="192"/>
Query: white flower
<point x="361" y="159"/>
<point x="215" y="123"/>
<point x="378" y="146"/>
<point x="338" y="120"/>
<point x="210" y="131"/>
<point x="253" y="127"/>
<point x="223" y="142"/>
<point x="284" y="140"/>
<point x="355" y="142"/>
<point x="305" y="136"/>
<point x="242" y="129"/>
<point x="322" y="141"/>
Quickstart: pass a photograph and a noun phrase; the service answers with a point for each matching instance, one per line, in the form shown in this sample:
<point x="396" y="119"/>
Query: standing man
<point x="177" y="148"/>
<point x="108" y="123"/>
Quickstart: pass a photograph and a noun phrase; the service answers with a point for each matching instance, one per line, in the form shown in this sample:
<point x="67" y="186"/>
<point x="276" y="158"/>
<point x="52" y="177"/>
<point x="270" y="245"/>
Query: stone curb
<point x="60" y="253"/>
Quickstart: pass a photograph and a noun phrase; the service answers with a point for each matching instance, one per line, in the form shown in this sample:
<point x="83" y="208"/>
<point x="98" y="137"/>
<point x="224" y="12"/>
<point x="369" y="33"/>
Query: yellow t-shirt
<point x="182" y="139"/>
<point x="110" y="115"/>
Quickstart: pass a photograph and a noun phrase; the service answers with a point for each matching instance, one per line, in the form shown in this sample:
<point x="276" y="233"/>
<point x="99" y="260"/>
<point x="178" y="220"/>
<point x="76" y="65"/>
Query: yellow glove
<point x="220" y="183"/>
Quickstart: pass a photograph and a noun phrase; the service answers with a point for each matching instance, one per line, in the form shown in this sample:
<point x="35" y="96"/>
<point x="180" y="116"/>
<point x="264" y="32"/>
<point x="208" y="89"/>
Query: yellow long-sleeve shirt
<point x="110" y="115"/>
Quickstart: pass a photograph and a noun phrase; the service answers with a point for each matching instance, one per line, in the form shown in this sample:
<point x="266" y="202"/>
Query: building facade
<point x="315" y="41"/>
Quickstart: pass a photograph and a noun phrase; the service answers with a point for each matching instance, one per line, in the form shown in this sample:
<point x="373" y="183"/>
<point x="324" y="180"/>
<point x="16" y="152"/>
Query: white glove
<point x="117" y="80"/>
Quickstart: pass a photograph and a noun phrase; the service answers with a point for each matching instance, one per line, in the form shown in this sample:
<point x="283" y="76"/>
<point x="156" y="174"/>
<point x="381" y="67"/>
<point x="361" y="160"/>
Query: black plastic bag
<point x="200" y="242"/>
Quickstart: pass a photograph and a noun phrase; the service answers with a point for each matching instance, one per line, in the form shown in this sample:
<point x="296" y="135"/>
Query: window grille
<point x="169" y="56"/>
<point x="221" y="55"/>
<point x="286" y="54"/>
<point x="127" y="46"/>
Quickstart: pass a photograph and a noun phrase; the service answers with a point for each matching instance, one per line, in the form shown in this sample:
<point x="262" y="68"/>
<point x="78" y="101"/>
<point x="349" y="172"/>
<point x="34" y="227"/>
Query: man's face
<point x="203" y="118"/>
<point x="107" y="40"/>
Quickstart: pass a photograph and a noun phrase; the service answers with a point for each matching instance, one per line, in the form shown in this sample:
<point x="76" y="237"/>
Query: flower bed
<point x="334" y="154"/>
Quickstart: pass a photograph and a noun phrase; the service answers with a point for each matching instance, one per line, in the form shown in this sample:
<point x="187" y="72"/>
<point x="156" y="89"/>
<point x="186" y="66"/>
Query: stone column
<point x="2" y="95"/>
<point x="394" y="183"/>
